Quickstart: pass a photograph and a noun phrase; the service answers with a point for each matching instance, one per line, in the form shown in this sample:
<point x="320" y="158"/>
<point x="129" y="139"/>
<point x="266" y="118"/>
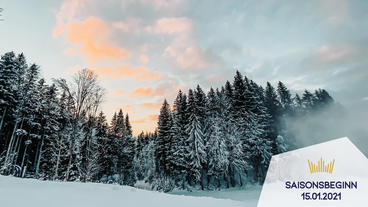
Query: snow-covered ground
<point x="34" y="193"/>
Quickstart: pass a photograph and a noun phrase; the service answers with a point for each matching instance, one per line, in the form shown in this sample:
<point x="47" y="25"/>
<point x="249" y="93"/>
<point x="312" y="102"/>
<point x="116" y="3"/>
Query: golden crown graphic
<point x="321" y="167"/>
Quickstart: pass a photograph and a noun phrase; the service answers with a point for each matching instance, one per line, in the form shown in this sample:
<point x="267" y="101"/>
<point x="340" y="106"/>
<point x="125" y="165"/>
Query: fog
<point x="334" y="122"/>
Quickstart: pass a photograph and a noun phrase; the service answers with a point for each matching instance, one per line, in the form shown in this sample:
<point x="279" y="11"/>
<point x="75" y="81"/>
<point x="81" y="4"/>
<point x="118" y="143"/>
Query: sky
<point x="146" y="50"/>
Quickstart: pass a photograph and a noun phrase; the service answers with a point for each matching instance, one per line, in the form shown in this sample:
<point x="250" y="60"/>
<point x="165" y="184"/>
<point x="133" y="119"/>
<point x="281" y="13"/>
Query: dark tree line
<point x="223" y="138"/>
<point x="55" y="131"/>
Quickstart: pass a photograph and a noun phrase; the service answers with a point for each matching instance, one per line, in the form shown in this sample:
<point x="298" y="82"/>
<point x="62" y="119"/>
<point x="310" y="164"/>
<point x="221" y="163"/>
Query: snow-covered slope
<point x="34" y="193"/>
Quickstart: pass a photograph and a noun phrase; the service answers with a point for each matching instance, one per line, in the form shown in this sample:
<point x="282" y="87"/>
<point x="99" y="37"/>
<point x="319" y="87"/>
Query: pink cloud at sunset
<point x="194" y="57"/>
<point x="139" y="73"/>
<point x="147" y="92"/>
<point x="184" y="47"/>
<point x="153" y="106"/>
<point x="141" y="92"/>
<point x="153" y="117"/>
<point x="144" y="58"/>
<point x="139" y="121"/>
<point x="128" y="108"/>
<point x="119" y="92"/>
<point x="148" y="76"/>
<point x="90" y="40"/>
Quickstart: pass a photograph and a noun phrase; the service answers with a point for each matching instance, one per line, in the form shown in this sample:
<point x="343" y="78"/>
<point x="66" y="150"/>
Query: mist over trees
<point x="1" y="11"/>
<point x="225" y="138"/>
<point x="221" y="138"/>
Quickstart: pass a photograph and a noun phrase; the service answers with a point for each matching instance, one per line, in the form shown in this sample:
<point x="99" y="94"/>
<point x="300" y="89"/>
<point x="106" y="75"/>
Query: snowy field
<point x="15" y="192"/>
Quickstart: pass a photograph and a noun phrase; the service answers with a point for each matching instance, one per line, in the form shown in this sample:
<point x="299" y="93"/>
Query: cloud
<point x="194" y="58"/>
<point x="148" y="76"/>
<point x="117" y="73"/>
<point x="147" y="92"/>
<point x="139" y="121"/>
<point x="144" y="58"/>
<point x="128" y="108"/>
<point x="337" y="55"/>
<point x="153" y="117"/>
<point x="217" y="78"/>
<point x="66" y="13"/>
<point x="119" y="93"/>
<point x="171" y="26"/>
<point x="142" y="92"/>
<point x="146" y="47"/>
<point x="154" y="106"/>
<point x="131" y="25"/>
<point x="336" y="11"/>
<point x="184" y="48"/>
<point x="166" y="3"/>
<point x="139" y="73"/>
<point x="165" y="7"/>
<point x="90" y="38"/>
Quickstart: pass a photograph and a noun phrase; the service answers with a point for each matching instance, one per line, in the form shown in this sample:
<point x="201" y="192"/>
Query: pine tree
<point x="259" y="140"/>
<point x="196" y="149"/>
<point x="321" y="99"/>
<point x="285" y="98"/>
<point x="102" y="141"/>
<point x="237" y="157"/>
<point x="281" y="145"/>
<point x="60" y="141"/>
<point x="128" y="155"/>
<point x="218" y="156"/>
<point x="120" y="130"/>
<point x="30" y="78"/>
<point x="147" y="157"/>
<point x="298" y="105"/>
<point x="273" y="109"/>
<point x="178" y="147"/>
<point x="307" y="99"/>
<point x="163" y="143"/>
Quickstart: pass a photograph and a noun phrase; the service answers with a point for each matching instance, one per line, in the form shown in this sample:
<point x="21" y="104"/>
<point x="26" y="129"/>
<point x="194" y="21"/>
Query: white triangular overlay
<point x="350" y="165"/>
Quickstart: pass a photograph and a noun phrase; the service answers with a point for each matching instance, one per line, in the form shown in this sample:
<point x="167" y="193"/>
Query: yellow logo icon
<point x="321" y="167"/>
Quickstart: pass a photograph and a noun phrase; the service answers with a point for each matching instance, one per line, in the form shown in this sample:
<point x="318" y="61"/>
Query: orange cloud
<point x="153" y="117"/>
<point x="121" y="72"/>
<point x="90" y="38"/>
<point x="140" y="121"/>
<point x="148" y="76"/>
<point x="66" y="13"/>
<point x="119" y="93"/>
<point x="58" y="30"/>
<point x="141" y="92"/>
<point x="147" y="92"/>
<point x="125" y="71"/>
<point x="127" y="108"/>
<point x="144" y="58"/>
<point x="154" y="106"/>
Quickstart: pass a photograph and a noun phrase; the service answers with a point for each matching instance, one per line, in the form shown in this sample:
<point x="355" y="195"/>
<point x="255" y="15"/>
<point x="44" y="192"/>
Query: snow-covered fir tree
<point x="220" y="138"/>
